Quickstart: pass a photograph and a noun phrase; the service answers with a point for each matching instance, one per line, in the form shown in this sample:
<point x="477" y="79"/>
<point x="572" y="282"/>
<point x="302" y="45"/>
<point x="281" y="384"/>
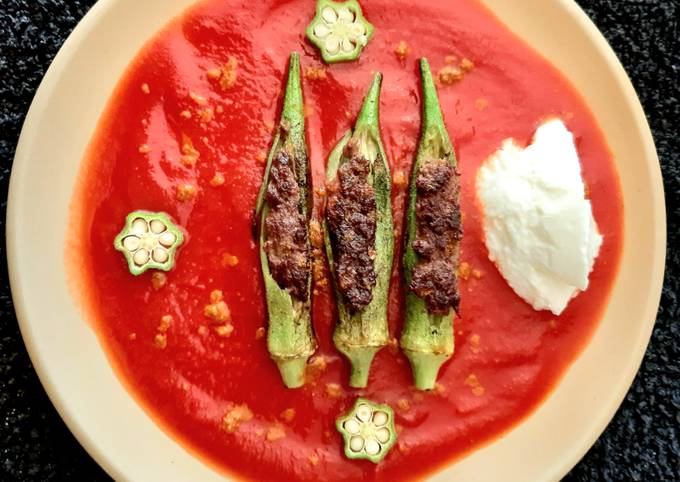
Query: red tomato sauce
<point x="508" y="356"/>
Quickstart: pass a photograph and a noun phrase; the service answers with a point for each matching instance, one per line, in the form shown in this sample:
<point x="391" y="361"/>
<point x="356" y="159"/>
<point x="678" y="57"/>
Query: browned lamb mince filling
<point x="351" y="216"/>
<point x="438" y="236"/>
<point x="287" y="246"/>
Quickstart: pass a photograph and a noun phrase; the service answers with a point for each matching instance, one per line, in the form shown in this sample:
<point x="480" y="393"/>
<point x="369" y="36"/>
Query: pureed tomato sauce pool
<point x="172" y="103"/>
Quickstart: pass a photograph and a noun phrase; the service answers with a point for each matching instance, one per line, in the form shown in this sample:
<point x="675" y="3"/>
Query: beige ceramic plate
<point x="94" y="403"/>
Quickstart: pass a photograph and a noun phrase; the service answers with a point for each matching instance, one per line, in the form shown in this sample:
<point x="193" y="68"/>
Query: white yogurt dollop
<point x="539" y="228"/>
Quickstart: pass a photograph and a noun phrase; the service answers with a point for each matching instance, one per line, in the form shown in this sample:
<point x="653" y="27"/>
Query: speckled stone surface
<point x="643" y="441"/>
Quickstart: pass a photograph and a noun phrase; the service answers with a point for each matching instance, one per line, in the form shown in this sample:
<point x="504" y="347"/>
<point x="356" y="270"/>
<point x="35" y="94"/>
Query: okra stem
<point x="427" y="339"/>
<point x="360" y="334"/>
<point x="290" y="336"/>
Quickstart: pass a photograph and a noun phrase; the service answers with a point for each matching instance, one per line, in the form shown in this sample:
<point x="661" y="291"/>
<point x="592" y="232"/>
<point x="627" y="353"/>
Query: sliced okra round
<point x="148" y="241"/>
<point x="339" y="30"/>
<point x="368" y="430"/>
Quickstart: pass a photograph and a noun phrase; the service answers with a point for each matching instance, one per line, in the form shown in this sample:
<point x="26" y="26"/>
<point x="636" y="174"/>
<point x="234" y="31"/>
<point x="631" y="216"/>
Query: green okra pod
<point x="282" y="221"/>
<point x="359" y="238"/>
<point x="427" y="339"/>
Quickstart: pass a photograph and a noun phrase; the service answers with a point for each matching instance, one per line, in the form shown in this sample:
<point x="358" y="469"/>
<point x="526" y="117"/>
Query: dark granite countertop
<point x="642" y="443"/>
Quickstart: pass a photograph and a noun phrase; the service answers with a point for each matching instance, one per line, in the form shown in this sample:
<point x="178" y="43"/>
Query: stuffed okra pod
<point x="432" y="241"/>
<point x="360" y="239"/>
<point x="282" y="217"/>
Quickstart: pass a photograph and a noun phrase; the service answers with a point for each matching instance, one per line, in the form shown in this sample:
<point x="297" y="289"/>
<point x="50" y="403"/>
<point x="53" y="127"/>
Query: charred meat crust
<point x="351" y="217"/>
<point x="287" y="244"/>
<point x="439" y="231"/>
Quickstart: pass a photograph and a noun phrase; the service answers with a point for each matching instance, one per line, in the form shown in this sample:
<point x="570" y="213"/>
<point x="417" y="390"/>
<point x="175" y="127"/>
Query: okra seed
<point x="345" y="14"/>
<point x="141" y="257"/>
<point x="131" y="243"/>
<point x="352" y="426"/>
<point x="379" y="419"/>
<point x="167" y="239"/>
<point x="160" y="255"/>
<point x="140" y="226"/>
<point x="321" y="31"/>
<point x="329" y="15"/>
<point x="383" y="435"/>
<point x="364" y="413"/>
<point x="333" y="44"/>
<point x="356" y="443"/>
<point x="357" y="29"/>
<point x="372" y="447"/>
<point x="347" y="45"/>
<point x="157" y="226"/>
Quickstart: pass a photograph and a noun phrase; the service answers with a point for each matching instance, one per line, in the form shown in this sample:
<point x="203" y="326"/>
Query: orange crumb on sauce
<point x="288" y="415"/>
<point x="418" y="397"/>
<point x="145" y="88"/>
<point x="202" y="330"/>
<point x="166" y="321"/>
<point x="261" y="156"/>
<point x="449" y="75"/>
<point x="160" y="341"/>
<point x="439" y="389"/>
<point x="317" y="364"/>
<point x="393" y="345"/>
<point x="217" y="310"/>
<point x="234" y="416"/>
<point x="219" y="109"/>
<point x="217" y="180"/>
<point x="276" y="432"/>
<point x="315" y="72"/>
<point x="402" y="50"/>
<point x="132" y="336"/>
<point x="466" y="65"/>
<point x="260" y="332"/>
<point x="229" y="260"/>
<point x="473" y="382"/>
<point x="158" y="280"/>
<point x="198" y="99"/>
<point x="481" y="103"/>
<point x="313" y="459"/>
<point x="225" y="330"/>
<point x="450" y="59"/>
<point x="399" y="179"/>
<point x="464" y="270"/>
<point x="225" y="75"/>
<point x="403" y="404"/>
<point x="477" y="273"/>
<point x="206" y="115"/>
<point x="333" y="390"/>
<point x="144" y="149"/>
<point x="189" y="153"/>
<point x="474" y="343"/>
<point x="321" y="191"/>
<point x="552" y="323"/>
<point x="315" y="234"/>
<point x="185" y="114"/>
<point x="186" y="192"/>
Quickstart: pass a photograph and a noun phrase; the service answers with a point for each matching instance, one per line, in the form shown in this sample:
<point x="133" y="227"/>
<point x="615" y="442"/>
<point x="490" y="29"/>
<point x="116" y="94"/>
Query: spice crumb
<point x="288" y="415"/>
<point x="276" y="432"/>
<point x="186" y="192"/>
<point x="450" y="59"/>
<point x="315" y="72"/>
<point x="234" y="416"/>
<point x="466" y="65"/>
<point x="481" y="103"/>
<point x="477" y="273"/>
<point x="403" y="404"/>
<point x="449" y="75"/>
<point x="166" y="322"/>
<point x="206" y="115"/>
<point x="144" y="149"/>
<point x="439" y="389"/>
<point x="313" y="459"/>
<point x="261" y="157"/>
<point x="399" y="179"/>
<point x="217" y="180"/>
<point x="219" y="109"/>
<point x="158" y="280"/>
<point x="315" y="234"/>
<point x="260" y="332"/>
<point x="229" y="260"/>
<point x="160" y="341"/>
<point x="202" y="330"/>
<point x="317" y="364"/>
<point x="227" y="75"/>
<point x="217" y="310"/>
<point x="464" y="270"/>
<point x="185" y="114"/>
<point x="333" y="390"/>
<point x="225" y="330"/>
<point x="145" y="88"/>
<point x="552" y="323"/>
<point x="473" y="382"/>
<point x="132" y="336"/>
<point x="402" y="50"/>
<point x="189" y="153"/>
<point x="474" y="343"/>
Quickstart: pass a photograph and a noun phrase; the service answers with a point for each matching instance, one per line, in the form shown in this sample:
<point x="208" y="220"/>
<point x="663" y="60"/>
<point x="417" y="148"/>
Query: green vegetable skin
<point x="290" y="337"/>
<point x="359" y="336"/>
<point x="427" y="339"/>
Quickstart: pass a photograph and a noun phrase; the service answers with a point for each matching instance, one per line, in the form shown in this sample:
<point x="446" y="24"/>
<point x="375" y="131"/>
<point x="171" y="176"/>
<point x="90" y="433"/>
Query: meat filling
<point x="287" y="244"/>
<point x="351" y="216"/>
<point x="438" y="236"/>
